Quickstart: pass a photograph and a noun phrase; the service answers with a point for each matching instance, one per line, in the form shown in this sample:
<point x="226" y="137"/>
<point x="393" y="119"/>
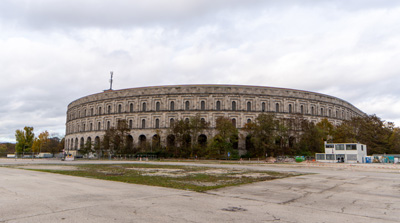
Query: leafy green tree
<point x="327" y="129"/>
<point x="87" y="148"/>
<point x="181" y="130"/>
<point x="311" y="140"/>
<point x="344" y="133"/>
<point x="263" y="134"/>
<point x="394" y="141"/>
<point x="196" y="126"/>
<point x="369" y="130"/>
<point x="40" y="142"/>
<point x="115" y="139"/>
<point x="3" y="150"/>
<point x="226" y="136"/>
<point x="53" y="146"/>
<point x="24" y="140"/>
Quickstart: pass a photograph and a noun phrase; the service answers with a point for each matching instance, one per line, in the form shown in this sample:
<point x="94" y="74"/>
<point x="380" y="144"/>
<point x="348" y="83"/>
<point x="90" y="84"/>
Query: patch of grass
<point x="179" y="177"/>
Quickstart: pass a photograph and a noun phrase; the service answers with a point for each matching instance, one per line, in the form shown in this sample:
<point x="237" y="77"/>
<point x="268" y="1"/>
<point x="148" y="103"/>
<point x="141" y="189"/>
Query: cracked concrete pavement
<point x="330" y="195"/>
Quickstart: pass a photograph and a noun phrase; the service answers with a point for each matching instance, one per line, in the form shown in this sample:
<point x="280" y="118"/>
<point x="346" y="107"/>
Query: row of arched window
<point x="290" y="109"/>
<point x="143" y="125"/>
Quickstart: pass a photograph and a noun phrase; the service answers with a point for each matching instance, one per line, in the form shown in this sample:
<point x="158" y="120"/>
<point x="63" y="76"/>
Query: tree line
<point x="27" y="143"/>
<point x="266" y="135"/>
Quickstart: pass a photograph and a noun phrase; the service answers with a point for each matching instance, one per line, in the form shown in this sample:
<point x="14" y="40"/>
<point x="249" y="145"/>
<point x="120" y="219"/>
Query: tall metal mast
<point x="111" y="80"/>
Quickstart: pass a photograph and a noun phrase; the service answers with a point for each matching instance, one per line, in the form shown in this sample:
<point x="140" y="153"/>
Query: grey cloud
<point x="347" y="49"/>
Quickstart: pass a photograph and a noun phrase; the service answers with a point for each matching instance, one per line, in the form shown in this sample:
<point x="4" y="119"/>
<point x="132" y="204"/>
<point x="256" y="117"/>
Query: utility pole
<point x="111" y="80"/>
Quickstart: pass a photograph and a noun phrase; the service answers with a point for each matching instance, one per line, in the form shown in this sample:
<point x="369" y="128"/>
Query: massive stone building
<point x="149" y="111"/>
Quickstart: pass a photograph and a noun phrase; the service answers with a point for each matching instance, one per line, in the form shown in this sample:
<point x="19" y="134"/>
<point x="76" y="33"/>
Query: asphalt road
<point x="333" y="194"/>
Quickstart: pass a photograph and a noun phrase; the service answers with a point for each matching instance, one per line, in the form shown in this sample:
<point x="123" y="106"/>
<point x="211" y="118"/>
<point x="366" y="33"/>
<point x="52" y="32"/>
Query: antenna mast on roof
<point x="111" y="80"/>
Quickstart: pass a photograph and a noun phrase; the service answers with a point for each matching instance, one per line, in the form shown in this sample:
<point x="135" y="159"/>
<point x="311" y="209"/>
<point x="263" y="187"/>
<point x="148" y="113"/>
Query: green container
<point x="299" y="159"/>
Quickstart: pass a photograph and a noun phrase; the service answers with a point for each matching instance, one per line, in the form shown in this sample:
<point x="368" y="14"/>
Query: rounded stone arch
<point x="144" y="106"/>
<point x="249" y="106"/>
<point x="81" y="143"/>
<point x="129" y="144"/>
<point x="97" y="143"/>
<point x="89" y="141"/>
<point x="202" y="105"/>
<point x="158" y="106"/>
<point x="249" y="143"/>
<point x="218" y="105"/>
<point x="234" y="122"/>
<point x="187" y="105"/>
<point x="156" y="141"/>
<point x="76" y="144"/>
<point x="142" y="141"/>
<point x="170" y="141"/>
<point x="202" y="140"/>
<point x="143" y="123"/>
<point x="119" y="108"/>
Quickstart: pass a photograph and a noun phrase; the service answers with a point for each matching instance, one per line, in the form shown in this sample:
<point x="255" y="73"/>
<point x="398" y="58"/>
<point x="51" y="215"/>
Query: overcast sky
<point x="55" y="51"/>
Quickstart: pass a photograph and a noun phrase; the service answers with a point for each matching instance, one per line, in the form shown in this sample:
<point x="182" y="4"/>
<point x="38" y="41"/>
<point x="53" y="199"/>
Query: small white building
<point x="343" y="152"/>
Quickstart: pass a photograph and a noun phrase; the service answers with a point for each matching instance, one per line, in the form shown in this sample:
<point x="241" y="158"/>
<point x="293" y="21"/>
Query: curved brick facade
<point x="150" y="109"/>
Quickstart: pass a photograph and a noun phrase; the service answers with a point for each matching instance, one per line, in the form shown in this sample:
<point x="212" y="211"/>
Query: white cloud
<point x="53" y="52"/>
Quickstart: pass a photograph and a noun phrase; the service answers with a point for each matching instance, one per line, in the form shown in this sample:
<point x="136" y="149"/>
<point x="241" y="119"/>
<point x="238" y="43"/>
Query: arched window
<point x="91" y="127"/>
<point x="249" y="121"/>
<point x="263" y="106"/>
<point x="119" y="108"/>
<point x="322" y="111"/>
<point x="202" y="120"/>
<point x="171" y="122"/>
<point x="330" y="113"/>
<point x="187" y="104"/>
<point x="312" y="110"/>
<point x="99" y="110"/>
<point x="157" y="106"/>
<point x="83" y="127"/>
<point x="248" y="106"/>
<point x="84" y="113"/>
<point x="131" y="107"/>
<point x="277" y="107"/>
<point x="91" y="112"/>
<point x="98" y="126"/>
<point x="109" y="109"/>
<point x="172" y="106"/>
<point x="108" y="125"/>
<point x="143" y="123"/>
<point x="233" y="105"/>
<point x="337" y="114"/>
<point x="218" y="106"/>
<point x="144" y="106"/>
<point x="157" y="123"/>
<point x="187" y="120"/>
<point x="130" y="123"/>
<point x="290" y="108"/>
<point x="302" y="109"/>
<point x="234" y="122"/>
<point x="203" y="105"/>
